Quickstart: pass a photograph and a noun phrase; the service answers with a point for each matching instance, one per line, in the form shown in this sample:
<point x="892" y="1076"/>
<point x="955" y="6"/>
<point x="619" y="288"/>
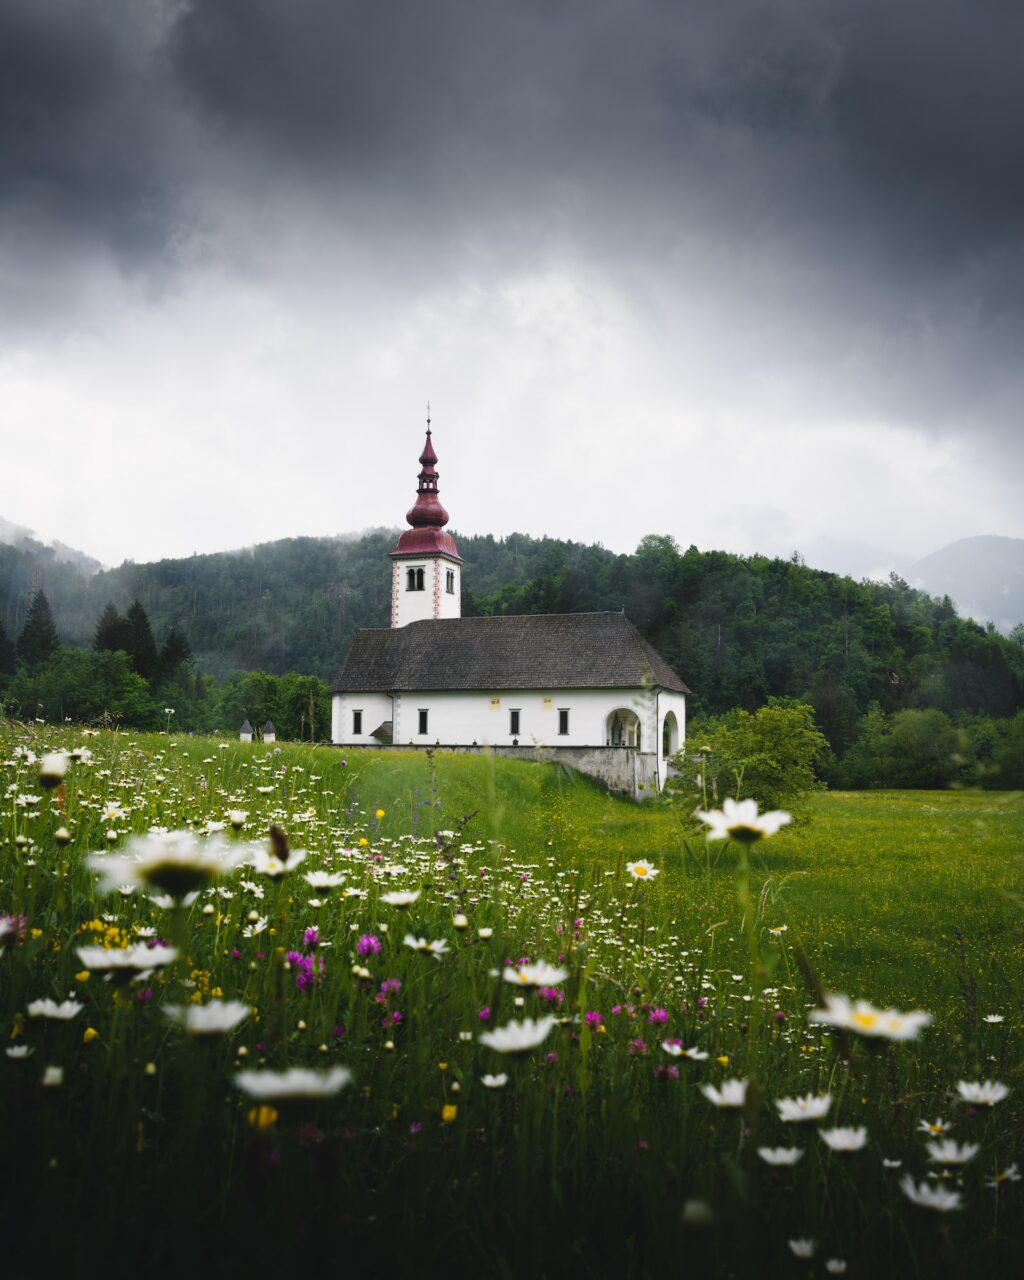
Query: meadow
<point x="396" y="919"/>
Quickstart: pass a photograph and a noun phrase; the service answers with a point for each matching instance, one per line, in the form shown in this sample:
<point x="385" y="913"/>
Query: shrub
<point x="770" y="754"/>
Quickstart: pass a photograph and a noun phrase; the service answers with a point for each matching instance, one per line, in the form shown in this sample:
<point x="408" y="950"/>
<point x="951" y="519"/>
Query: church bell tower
<point x="426" y="568"/>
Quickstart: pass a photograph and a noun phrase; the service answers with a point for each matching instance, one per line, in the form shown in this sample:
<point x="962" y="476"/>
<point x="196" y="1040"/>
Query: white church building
<point x="584" y="688"/>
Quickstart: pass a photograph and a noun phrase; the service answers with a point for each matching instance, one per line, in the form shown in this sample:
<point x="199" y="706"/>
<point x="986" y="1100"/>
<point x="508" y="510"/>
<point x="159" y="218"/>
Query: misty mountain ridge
<point x="984" y="576"/>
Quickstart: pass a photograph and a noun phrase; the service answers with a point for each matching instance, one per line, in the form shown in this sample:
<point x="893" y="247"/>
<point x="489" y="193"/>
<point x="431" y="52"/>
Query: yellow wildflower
<point x="448" y="1112"/>
<point x="262" y="1118"/>
<point x="83" y="975"/>
<point x="89" y="1035"/>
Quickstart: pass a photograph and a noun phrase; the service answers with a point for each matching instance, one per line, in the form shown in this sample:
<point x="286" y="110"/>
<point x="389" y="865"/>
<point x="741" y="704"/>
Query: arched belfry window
<point x="414" y="580"/>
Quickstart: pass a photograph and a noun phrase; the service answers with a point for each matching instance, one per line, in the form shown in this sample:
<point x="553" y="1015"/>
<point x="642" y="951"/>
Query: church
<point x="582" y="688"/>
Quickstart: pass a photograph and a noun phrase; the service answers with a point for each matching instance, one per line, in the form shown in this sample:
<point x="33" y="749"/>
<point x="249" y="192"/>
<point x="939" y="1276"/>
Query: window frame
<point x="357" y="722"/>
<point x="563" y="722"/>
<point x="424" y="720"/>
<point x="514" y="721"/>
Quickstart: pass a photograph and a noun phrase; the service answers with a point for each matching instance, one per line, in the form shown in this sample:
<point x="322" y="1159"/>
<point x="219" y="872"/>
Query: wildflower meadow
<point x="435" y="1014"/>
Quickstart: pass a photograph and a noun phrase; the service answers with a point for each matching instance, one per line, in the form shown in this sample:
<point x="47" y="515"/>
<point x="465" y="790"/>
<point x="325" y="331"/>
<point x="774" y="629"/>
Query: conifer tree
<point x="141" y="643"/>
<point x="112" y="631"/>
<point x="38" y="640"/>
<point x="7" y="657"/>
<point x="175" y="653"/>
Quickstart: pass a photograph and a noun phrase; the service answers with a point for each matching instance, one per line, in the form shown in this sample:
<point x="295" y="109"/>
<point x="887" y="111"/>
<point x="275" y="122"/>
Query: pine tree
<point x="7" y="656"/>
<point x="175" y="654"/>
<point x="112" y="630"/>
<point x="38" y="640"/>
<point x="141" y="644"/>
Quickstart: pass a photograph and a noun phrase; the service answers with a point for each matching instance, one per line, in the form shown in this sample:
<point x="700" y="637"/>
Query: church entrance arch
<point x="622" y="728"/>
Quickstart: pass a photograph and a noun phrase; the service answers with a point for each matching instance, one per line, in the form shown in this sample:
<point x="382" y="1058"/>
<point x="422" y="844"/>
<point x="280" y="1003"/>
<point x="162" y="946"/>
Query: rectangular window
<point x="423" y="721"/>
<point x="450" y="582"/>
<point x="513" y="723"/>
<point x="357" y="722"/>
<point x="563" y="719"/>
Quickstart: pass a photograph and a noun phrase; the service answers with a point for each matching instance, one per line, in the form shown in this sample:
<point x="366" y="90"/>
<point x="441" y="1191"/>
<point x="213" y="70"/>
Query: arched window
<point x="414" y="580"/>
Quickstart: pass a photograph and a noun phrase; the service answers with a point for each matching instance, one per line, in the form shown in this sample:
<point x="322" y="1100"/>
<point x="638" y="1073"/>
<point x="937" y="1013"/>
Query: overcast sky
<point x="748" y="273"/>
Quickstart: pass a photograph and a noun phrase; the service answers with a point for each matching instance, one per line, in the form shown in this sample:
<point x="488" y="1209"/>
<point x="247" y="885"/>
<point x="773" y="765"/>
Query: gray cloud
<point x="809" y="211"/>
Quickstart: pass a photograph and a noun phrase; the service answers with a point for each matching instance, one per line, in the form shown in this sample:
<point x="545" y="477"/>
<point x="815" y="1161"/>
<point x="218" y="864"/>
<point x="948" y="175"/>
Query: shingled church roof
<point x="527" y="651"/>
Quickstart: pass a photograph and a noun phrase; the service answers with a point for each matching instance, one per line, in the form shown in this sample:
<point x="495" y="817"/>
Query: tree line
<point x="127" y="678"/>
<point x="740" y="630"/>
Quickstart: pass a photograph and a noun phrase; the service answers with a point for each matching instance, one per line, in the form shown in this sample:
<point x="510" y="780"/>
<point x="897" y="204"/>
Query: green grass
<point x="586" y="1160"/>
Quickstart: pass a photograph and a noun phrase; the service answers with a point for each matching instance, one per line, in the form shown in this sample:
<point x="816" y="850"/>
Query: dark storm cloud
<point x="871" y="150"/>
<point x="905" y="113"/>
<point x="84" y="128"/>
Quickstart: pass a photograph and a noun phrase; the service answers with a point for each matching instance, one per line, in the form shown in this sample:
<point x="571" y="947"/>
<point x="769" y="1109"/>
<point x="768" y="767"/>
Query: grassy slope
<point x="873" y="886"/>
<point x="899" y="896"/>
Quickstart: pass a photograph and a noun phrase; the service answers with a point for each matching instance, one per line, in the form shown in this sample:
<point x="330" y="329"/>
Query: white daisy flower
<point x="175" y="863"/>
<point x="739" y="820"/>
<point x="1010" y="1174"/>
<point x="733" y="1093"/>
<point x="642" y="870"/>
<point x="983" y="1093"/>
<point x="950" y="1152"/>
<point x="127" y="962"/>
<point x="436" y="949"/>
<point x="518" y="1037"/>
<point x="266" y="863"/>
<point x="324" y="881"/>
<point x="934" y="1127"/>
<point x="494" y="1082"/>
<point x="677" y="1051"/>
<point x="296" y="1082"/>
<point x="535" y="975"/>
<point x="780" y="1155"/>
<point x="403" y="898"/>
<point x="930" y="1196"/>
<point x="51" y="1009"/>
<point x="803" y="1248"/>
<point x="850" y="1139"/>
<point x="866" y="1020"/>
<point x="216" y="1018"/>
<point x="810" y="1107"/>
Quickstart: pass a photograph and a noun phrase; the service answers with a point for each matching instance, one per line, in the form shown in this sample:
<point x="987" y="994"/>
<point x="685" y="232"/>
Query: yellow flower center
<point x="639" y="871"/>
<point x="864" y="1019"/>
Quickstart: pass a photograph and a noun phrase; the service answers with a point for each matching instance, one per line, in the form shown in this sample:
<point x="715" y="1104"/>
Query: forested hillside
<point x="738" y="629"/>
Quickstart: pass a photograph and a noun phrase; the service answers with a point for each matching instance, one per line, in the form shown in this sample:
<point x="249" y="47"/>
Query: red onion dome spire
<point x="426" y="515"/>
<point x="427" y="512"/>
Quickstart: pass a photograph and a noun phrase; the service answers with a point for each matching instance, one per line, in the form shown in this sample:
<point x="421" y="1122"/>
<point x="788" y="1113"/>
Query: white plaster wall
<point x="433" y="601"/>
<point x="451" y="603"/>
<point x="675" y="702"/>
<point x="463" y="718"/>
<point x="376" y="708"/>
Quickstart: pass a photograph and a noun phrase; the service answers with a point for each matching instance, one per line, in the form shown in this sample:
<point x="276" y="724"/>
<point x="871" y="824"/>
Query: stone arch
<point x="669" y="735"/>
<point x="622" y="728"/>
